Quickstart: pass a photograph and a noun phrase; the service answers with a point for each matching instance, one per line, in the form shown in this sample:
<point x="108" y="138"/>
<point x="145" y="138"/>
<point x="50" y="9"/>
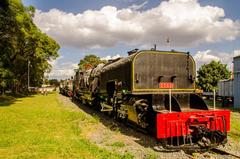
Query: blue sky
<point x="209" y="29"/>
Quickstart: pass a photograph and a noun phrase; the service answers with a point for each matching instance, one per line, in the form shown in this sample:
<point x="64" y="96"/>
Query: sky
<point x="208" y="29"/>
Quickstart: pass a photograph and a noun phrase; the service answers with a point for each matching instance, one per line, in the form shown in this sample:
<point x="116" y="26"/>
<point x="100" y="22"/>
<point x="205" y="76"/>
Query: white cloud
<point x="110" y="57"/>
<point x="53" y="62"/>
<point x="185" y="22"/>
<point x="205" y="57"/>
<point x="236" y="53"/>
<point x="62" y="69"/>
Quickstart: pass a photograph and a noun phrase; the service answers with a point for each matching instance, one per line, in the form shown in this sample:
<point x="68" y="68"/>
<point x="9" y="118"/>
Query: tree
<point x="54" y="82"/>
<point x="210" y="74"/>
<point x="5" y="79"/>
<point x="22" y="42"/>
<point x="90" y="60"/>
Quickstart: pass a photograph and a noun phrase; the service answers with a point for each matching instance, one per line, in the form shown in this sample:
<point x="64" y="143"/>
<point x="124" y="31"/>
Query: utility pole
<point x="28" y="75"/>
<point x="168" y="43"/>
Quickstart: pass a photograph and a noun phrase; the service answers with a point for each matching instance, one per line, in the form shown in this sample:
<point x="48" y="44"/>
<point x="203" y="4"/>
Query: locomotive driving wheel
<point x="141" y="110"/>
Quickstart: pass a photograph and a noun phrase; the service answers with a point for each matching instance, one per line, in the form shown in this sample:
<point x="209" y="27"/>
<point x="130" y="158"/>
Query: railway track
<point x="222" y="152"/>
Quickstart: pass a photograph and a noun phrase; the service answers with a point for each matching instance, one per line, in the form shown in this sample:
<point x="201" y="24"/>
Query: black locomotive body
<point x="156" y="91"/>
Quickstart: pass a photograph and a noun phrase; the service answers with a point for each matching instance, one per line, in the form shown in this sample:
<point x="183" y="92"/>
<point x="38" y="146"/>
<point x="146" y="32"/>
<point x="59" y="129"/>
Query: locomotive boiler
<point x="154" y="90"/>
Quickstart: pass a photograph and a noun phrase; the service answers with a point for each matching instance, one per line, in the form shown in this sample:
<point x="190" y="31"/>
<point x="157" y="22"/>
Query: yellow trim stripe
<point x="162" y="89"/>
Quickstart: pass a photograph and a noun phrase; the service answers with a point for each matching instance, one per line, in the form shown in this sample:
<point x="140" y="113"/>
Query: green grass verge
<point x="210" y="103"/>
<point x="41" y="127"/>
<point x="235" y="126"/>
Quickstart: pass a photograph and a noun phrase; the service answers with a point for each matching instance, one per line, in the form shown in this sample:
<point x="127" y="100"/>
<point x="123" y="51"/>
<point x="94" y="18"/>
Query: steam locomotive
<point x="154" y="90"/>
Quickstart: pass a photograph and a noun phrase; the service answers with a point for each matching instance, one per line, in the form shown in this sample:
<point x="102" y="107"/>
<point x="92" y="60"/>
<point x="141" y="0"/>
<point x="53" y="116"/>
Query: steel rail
<point x="222" y="152"/>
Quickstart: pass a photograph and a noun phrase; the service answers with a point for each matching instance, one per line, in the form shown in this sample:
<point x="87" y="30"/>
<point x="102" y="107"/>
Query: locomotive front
<point x="182" y="117"/>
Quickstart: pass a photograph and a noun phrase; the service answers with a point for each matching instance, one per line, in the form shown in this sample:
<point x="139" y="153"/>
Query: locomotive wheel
<point x="96" y="104"/>
<point x="141" y="110"/>
<point x="115" y="107"/>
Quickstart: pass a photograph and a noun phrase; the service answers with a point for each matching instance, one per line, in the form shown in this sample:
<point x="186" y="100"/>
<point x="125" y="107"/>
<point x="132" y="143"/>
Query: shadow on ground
<point x="6" y="101"/>
<point x="9" y="99"/>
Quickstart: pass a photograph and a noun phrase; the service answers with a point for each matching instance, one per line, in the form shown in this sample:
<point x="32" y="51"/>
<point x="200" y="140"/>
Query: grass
<point x="210" y="103"/>
<point x="6" y="100"/>
<point x="41" y="127"/>
<point x="118" y="144"/>
<point x="151" y="156"/>
<point x="235" y="126"/>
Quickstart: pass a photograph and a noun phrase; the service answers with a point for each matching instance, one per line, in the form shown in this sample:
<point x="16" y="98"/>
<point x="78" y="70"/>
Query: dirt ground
<point x="120" y="138"/>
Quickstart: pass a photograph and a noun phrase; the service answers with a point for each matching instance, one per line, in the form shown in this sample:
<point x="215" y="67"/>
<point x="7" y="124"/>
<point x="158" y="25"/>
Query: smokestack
<point x="154" y="47"/>
<point x="232" y="74"/>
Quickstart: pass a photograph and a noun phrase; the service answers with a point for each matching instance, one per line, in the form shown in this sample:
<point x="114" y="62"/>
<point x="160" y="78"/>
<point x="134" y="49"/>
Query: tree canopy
<point x="54" y="82"/>
<point x="22" y="43"/>
<point x="90" y="61"/>
<point x="210" y="74"/>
